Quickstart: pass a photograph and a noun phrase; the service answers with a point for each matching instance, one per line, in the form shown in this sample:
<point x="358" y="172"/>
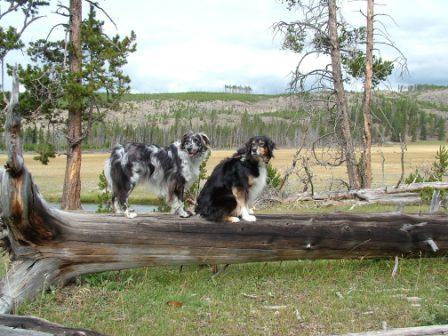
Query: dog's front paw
<point x="130" y="213"/>
<point x="232" y="219"/>
<point x="249" y="218"/>
<point x="251" y="211"/>
<point x="186" y="214"/>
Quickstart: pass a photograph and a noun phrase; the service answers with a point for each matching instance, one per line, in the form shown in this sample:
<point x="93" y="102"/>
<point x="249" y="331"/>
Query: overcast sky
<point x="201" y="45"/>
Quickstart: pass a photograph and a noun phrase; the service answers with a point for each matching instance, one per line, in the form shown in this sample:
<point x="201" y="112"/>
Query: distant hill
<point x="230" y="118"/>
<point x="200" y="96"/>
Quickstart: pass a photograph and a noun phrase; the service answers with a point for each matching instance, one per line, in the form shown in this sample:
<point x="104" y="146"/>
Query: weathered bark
<point x="436" y="330"/>
<point x="367" y="101"/>
<point x="71" y="195"/>
<point x="403" y="149"/>
<point x="405" y="194"/>
<point x="341" y="99"/>
<point x="30" y="325"/>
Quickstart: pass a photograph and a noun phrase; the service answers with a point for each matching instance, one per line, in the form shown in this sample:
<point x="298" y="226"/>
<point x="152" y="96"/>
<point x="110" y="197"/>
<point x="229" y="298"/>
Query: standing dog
<point x="236" y="182"/>
<point x="168" y="171"/>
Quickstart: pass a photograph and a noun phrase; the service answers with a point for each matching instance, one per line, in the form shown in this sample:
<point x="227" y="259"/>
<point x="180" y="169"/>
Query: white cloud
<point x="203" y="45"/>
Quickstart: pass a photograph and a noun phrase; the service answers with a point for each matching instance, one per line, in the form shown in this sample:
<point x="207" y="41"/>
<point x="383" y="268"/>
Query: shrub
<point x="274" y="178"/>
<point x="438" y="170"/>
<point x="45" y="151"/>
<point x="104" y="197"/>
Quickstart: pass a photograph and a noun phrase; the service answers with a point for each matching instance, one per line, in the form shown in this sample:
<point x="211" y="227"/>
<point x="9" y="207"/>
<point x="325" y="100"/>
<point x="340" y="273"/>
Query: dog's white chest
<point x="190" y="170"/>
<point x="258" y="184"/>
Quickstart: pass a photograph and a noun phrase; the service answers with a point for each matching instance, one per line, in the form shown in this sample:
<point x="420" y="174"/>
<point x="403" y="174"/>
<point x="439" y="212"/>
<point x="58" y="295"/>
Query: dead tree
<point x="341" y="99"/>
<point x="367" y="99"/>
<point x="404" y="194"/>
<point x="14" y="325"/>
<point x="434" y="330"/>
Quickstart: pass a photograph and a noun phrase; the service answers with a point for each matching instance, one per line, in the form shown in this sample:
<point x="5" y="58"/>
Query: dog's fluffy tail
<point x="107" y="173"/>
<point x="115" y="157"/>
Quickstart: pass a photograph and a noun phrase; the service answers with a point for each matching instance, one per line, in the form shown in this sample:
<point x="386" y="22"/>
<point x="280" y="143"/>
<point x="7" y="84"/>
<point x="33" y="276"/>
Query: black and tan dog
<point x="236" y="182"/>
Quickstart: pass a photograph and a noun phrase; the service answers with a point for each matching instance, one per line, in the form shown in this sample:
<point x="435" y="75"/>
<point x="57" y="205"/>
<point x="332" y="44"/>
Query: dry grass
<point x="50" y="178"/>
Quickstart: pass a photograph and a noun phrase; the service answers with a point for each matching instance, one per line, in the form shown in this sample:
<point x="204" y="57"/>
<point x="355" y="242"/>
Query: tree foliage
<point x="10" y="37"/>
<point x="309" y="37"/>
<point x="438" y="170"/>
<point x="356" y="64"/>
<point x="51" y="88"/>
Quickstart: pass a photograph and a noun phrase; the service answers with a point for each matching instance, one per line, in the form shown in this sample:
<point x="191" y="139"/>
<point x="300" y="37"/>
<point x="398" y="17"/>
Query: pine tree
<point x="96" y="64"/>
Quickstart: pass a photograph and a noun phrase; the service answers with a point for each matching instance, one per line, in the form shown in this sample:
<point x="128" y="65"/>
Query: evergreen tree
<point x="76" y="89"/>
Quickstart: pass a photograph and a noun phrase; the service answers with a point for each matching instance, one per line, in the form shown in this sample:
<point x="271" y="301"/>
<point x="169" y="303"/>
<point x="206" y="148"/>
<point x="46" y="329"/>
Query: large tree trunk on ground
<point x="404" y="194"/>
<point x="71" y="195"/>
<point x="32" y="326"/>
<point x="341" y="100"/>
<point x="435" y="330"/>
<point x="367" y="101"/>
<point x="50" y="247"/>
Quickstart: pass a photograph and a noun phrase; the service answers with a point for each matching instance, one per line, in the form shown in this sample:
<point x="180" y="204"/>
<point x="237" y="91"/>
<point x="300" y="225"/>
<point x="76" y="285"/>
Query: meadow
<point x="278" y="298"/>
<point x="50" y="178"/>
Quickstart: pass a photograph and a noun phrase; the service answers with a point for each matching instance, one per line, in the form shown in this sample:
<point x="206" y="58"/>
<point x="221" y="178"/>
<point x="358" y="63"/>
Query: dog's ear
<point x="185" y="137"/>
<point x="205" y="139"/>
<point x="270" y="146"/>
<point x="246" y="149"/>
<point x="248" y="144"/>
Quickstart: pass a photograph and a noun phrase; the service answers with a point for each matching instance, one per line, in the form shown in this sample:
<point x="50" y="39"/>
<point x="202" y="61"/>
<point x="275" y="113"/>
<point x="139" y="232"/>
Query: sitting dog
<point x="236" y="182"/>
<point x="168" y="171"/>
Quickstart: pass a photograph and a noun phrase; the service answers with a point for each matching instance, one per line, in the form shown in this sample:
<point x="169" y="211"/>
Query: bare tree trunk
<point x="403" y="149"/>
<point x="71" y="195"/>
<point x="435" y="330"/>
<point x="14" y="325"/>
<point x="404" y="194"/>
<point x="341" y="100"/>
<point x="367" y="101"/>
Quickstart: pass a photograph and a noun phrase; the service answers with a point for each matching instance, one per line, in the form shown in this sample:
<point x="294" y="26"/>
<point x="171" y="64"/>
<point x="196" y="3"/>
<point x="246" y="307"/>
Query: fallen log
<point x="50" y="247"/>
<point x="34" y="326"/>
<point x="404" y="194"/>
<point x="436" y="330"/>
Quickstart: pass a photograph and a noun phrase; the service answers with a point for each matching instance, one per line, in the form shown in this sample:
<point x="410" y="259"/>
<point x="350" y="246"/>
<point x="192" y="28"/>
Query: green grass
<point x="199" y="96"/>
<point x="313" y="297"/>
<point x="92" y="197"/>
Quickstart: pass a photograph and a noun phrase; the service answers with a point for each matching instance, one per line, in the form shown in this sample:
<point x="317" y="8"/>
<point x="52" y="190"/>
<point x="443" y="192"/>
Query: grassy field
<point x="50" y="178"/>
<point x="289" y="298"/>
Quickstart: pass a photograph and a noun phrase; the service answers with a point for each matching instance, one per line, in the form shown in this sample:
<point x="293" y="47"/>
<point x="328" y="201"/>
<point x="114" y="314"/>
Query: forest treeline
<point x="229" y="128"/>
